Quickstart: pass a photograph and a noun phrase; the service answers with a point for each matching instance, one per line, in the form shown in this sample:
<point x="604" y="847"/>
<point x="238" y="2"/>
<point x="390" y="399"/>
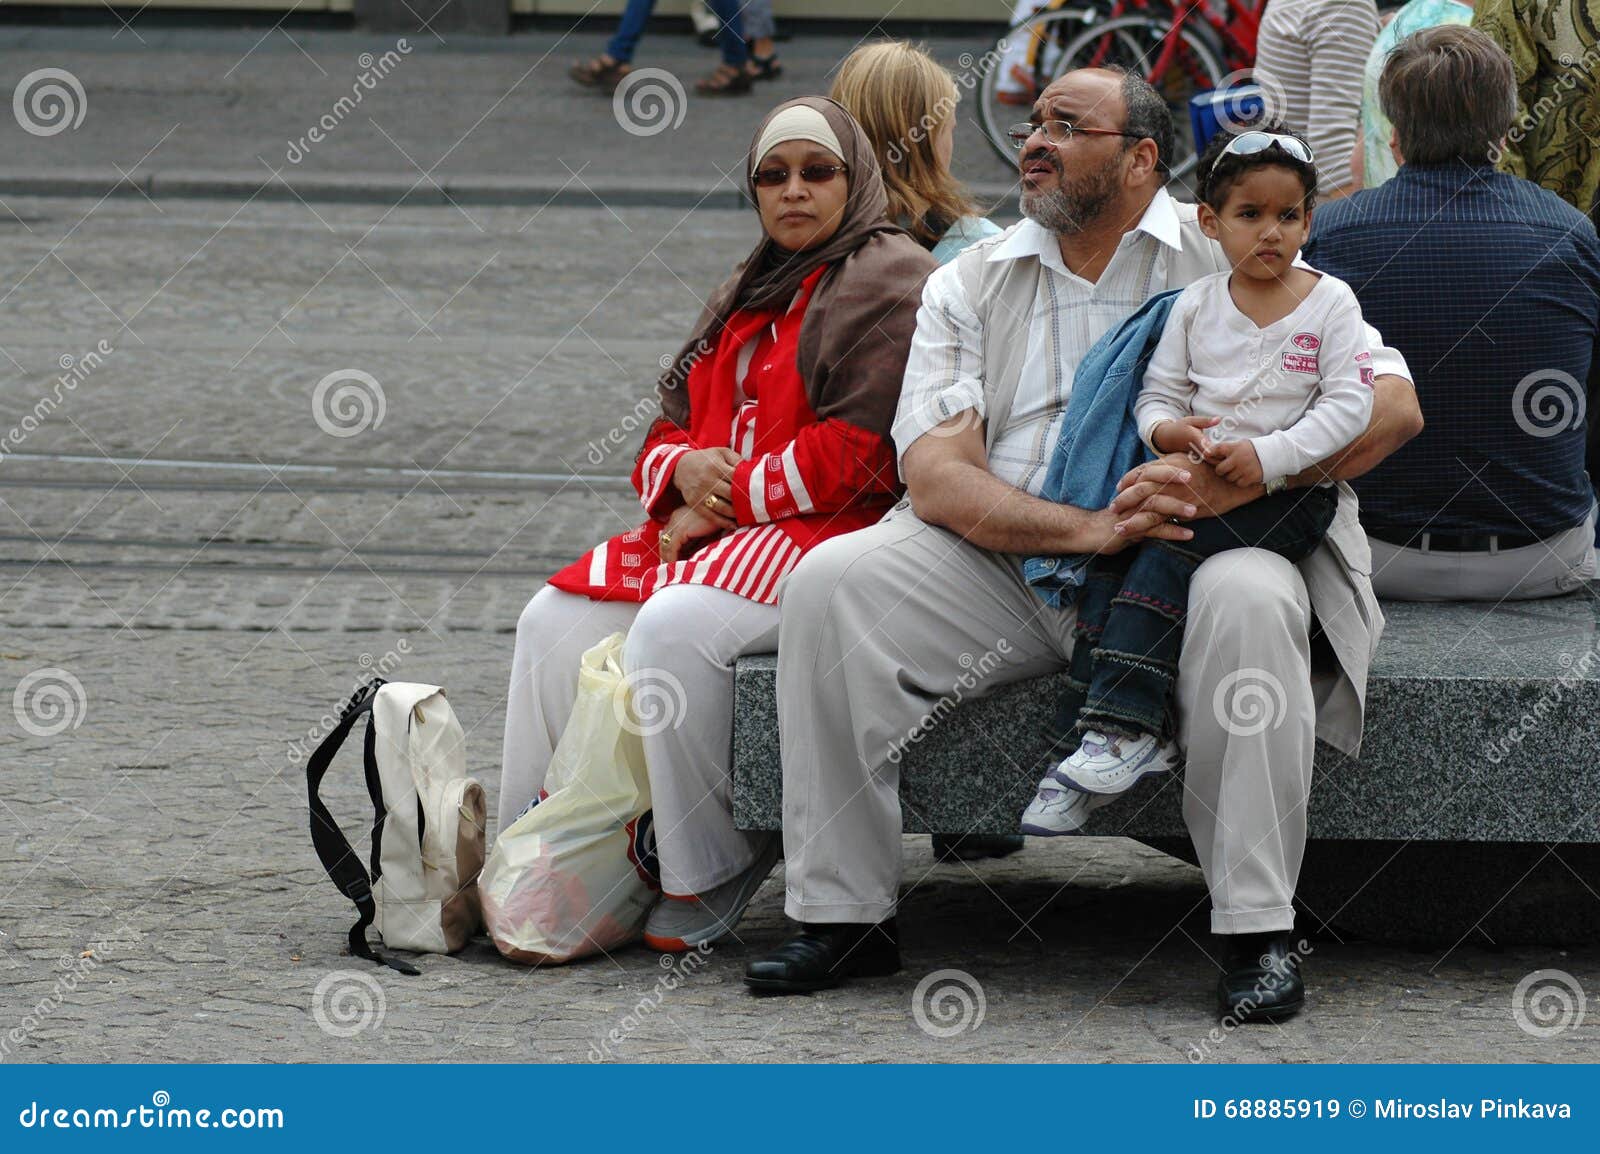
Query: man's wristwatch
<point x="1277" y="485"/>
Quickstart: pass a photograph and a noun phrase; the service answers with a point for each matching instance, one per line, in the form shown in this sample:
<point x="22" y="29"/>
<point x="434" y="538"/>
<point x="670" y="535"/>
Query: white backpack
<point x="428" y="824"/>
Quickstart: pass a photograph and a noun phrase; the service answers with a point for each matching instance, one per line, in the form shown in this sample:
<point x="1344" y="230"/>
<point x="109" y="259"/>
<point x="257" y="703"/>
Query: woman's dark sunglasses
<point x="811" y="174"/>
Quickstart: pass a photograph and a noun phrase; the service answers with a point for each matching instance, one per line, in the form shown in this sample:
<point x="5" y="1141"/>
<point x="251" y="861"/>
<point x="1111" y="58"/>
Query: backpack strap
<point x="334" y="850"/>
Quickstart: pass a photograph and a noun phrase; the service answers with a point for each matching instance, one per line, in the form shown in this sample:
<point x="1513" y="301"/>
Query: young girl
<point x="1260" y="372"/>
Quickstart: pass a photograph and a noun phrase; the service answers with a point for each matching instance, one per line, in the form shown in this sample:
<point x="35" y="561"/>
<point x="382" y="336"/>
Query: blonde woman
<point x="906" y="102"/>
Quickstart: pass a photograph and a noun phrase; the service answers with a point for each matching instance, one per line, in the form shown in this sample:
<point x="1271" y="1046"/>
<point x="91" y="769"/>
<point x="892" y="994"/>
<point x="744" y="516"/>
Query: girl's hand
<point x="687" y="525"/>
<point x="707" y="473"/>
<point x="1186" y="435"/>
<point x="1238" y="462"/>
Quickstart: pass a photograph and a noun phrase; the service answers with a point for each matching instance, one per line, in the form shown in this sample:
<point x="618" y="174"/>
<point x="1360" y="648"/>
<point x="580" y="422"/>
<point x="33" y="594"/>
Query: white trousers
<point x="881" y="623"/>
<point x="1548" y="568"/>
<point x="680" y="651"/>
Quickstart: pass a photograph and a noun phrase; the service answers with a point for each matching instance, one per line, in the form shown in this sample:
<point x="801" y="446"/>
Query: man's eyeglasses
<point x="1250" y="143"/>
<point x="1059" y="132"/>
<point x="811" y="174"/>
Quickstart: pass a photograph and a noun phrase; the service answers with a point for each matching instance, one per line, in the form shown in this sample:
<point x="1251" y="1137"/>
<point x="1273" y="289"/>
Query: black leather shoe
<point x="1262" y="982"/>
<point x="822" y="956"/>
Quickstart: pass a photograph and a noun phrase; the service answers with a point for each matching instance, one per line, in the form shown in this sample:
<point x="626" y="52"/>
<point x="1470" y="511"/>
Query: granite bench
<point x="1476" y="796"/>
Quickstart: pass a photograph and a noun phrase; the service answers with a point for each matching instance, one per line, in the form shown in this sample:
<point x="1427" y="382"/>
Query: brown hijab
<point x="858" y="325"/>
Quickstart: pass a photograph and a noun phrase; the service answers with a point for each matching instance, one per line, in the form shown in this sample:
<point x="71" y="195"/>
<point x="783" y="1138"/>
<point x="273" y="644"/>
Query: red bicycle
<point x="1182" y="47"/>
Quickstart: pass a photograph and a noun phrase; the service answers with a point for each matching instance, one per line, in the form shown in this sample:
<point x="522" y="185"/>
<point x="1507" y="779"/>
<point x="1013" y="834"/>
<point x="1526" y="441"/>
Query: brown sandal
<point x="601" y="72"/>
<point x="726" y="81"/>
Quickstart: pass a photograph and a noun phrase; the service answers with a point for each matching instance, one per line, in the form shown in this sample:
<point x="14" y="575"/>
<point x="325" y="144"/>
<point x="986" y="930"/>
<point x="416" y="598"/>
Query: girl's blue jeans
<point x="1131" y="610"/>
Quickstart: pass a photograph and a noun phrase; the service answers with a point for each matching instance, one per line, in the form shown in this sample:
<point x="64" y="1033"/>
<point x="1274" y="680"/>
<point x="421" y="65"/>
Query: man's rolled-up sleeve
<point x="1386" y="362"/>
<point x="944" y="372"/>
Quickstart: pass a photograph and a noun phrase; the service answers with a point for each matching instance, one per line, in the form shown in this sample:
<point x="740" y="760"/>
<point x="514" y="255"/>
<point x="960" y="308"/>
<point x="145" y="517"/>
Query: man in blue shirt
<point x="1490" y="286"/>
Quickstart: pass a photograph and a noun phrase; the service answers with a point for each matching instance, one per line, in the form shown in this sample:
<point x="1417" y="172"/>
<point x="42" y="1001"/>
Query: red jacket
<point x="800" y="482"/>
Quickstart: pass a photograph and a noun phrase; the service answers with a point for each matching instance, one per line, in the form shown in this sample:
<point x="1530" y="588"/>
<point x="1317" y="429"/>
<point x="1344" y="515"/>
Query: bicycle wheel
<point x="1022" y="62"/>
<point x="1138" y="43"/>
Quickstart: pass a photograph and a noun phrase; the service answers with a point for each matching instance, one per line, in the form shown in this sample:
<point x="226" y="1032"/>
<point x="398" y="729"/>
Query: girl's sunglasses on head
<point x="1250" y="143"/>
<point x="811" y="174"/>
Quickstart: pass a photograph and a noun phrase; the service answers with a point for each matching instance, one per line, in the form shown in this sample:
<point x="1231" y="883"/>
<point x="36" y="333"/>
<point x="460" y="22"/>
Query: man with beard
<point x="876" y="623"/>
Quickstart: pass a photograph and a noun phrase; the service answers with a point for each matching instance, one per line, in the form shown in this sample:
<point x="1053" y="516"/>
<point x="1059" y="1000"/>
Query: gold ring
<point x="711" y="501"/>
<point x="665" y="538"/>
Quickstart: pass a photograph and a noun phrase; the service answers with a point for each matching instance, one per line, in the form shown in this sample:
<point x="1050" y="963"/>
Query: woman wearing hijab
<point x="774" y="436"/>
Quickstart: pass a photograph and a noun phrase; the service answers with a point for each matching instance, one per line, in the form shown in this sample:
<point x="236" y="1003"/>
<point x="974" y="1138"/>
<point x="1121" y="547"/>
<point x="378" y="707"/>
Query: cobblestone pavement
<point x="205" y="571"/>
<point x="162" y="102"/>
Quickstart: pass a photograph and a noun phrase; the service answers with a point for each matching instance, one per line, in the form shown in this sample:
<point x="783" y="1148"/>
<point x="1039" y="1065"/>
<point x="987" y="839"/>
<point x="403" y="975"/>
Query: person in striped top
<point x="1310" y="60"/>
<point x="773" y="438"/>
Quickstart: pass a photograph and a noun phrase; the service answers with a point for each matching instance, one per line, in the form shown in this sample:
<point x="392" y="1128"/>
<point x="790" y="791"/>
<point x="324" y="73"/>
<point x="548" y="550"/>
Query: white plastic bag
<point x="575" y="874"/>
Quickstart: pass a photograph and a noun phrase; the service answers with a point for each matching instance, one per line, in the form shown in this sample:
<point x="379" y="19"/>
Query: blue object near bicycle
<point x="1232" y="108"/>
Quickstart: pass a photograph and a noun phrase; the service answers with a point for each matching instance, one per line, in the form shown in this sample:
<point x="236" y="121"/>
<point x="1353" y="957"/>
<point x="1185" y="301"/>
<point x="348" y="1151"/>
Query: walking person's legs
<point x="553" y="632"/>
<point x="608" y="69"/>
<point x="730" y="77"/>
<point x="630" y="30"/>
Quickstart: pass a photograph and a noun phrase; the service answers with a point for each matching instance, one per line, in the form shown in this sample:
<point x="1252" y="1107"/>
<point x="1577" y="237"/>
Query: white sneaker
<point x="1107" y="764"/>
<point x="1057" y="809"/>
